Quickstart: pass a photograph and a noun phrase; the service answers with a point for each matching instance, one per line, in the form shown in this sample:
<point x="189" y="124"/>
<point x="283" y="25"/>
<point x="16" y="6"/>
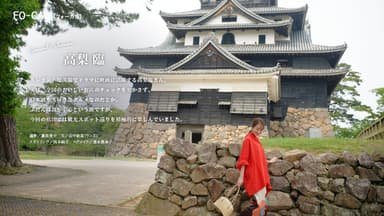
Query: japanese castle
<point x="231" y="61"/>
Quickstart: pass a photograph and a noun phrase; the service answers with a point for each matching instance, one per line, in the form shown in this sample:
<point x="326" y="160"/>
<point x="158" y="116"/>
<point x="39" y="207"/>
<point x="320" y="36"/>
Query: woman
<point x="253" y="167"/>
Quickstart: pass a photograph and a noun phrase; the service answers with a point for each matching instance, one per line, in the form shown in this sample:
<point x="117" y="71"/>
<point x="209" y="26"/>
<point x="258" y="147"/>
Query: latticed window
<point x="229" y="18"/>
<point x="163" y="101"/>
<point x="249" y="103"/>
<point x="196" y="40"/>
<point x="261" y="39"/>
<point x="228" y="38"/>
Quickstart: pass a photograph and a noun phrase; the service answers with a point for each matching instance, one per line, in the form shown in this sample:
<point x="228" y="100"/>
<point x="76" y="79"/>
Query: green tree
<point x="72" y="13"/>
<point x="379" y="92"/>
<point x="345" y="103"/>
<point x="10" y="76"/>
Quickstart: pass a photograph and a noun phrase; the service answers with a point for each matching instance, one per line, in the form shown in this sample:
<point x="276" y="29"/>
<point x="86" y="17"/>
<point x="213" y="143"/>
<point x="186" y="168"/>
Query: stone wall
<point x="137" y="137"/>
<point x="227" y="134"/>
<point x="298" y="121"/>
<point x="190" y="178"/>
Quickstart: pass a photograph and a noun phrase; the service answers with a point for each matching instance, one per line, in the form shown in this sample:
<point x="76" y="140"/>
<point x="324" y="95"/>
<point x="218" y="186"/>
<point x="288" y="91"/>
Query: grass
<point x="322" y="145"/>
<point x="315" y="145"/>
<point x="38" y="155"/>
<point x="16" y="170"/>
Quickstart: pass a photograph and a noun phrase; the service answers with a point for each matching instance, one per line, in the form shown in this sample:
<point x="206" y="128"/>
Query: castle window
<point x="163" y="101"/>
<point x="262" y="39"/>
<point x="229" y="18"/>
<point x="190" y="133"/>
<point x="228" y="38"/>
<point x="196" y="137"/>
<point x="196" y="40"/>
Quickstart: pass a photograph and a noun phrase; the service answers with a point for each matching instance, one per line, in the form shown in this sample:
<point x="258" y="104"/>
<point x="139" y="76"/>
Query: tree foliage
<point x="379" y="92"/>
<point x="76" y="14"/>
<point x="11" y="33"/>
<point x="345" y="103"/>
<point x="345" y="98"/>
<point x="68" y="13"/>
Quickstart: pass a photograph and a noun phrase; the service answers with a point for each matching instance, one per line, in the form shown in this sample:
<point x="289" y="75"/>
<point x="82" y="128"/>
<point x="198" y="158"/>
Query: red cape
<point x="252" y="156"/>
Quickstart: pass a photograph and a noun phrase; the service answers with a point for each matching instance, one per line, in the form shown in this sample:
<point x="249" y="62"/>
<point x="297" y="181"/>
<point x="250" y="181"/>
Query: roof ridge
<point x="238" y="5"/>
<point x="211" y="39"/>
<point x="200" y="12"/>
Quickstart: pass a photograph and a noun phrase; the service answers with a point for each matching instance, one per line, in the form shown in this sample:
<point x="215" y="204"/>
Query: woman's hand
<point x="240" y="181"/>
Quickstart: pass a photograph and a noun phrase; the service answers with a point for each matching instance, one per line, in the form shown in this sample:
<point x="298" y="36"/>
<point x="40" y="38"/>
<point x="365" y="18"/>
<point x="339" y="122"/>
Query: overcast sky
<point x="358" y="23"/>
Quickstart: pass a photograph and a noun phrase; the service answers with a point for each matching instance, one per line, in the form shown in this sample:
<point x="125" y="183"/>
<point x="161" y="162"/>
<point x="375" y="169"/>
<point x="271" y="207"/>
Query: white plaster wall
<point x="189" y="37"/>
<point x="269" y="36"/>
<point x="241" y="19"/>
<point x="246" y="37"/>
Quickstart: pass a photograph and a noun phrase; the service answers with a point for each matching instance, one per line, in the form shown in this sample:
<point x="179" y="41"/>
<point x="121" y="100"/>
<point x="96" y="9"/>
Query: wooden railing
<point x="374" y="131"/>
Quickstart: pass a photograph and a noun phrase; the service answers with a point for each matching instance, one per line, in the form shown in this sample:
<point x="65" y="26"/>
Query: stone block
<point x="199" y="190"/>
<point x="280" y="183"/>
<point x="349" y="158"/>
<point x="181" y="187"/>
<point x="368" y="174"/>
<point x="306" y="183"/>
<point x="341" y="170"/>
<point x="227" y="161"/>
<point x="279" y="201"/>
<point x="207" y="153"/>
<point x="215" y="188"/>
<point x="163" y="177"/>
<point x="150" y="205"/>
<point x="280" y="167"/>
<point x="159" y="190"/>
<point x="347" y="200"/>
<point x="365" y="160"/>
<point x="313" y="165"/>
<point x="180" y="148"/>
<point x="309" y="205"/>
<point x="206" y="172"/>
<point x="167" y="163"/>
<point x="358" y="187"/>
<point x="234" y="149"/>
<point x="337" y="185"/>
<point x="189" y="202"/>
<point x="232" y="175"/>
<point x="294" y="155"/>
<point x="183" y="166"/>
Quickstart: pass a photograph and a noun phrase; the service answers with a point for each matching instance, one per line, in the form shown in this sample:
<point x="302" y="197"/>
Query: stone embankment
<point x="191" y="177"/>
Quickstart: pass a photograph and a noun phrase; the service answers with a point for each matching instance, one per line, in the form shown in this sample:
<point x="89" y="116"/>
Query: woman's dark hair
<point x="257" y="121"/>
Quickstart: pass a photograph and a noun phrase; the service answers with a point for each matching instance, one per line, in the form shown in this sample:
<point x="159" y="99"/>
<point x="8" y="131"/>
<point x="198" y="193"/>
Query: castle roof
<point x="300" y="43"/>
<point x="298" y="14"/>
<point x="289" y="72"/>
<point x="258" y="10"/>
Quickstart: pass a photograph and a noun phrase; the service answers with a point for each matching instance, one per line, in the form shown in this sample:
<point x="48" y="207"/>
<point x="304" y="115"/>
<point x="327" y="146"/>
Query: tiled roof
<point x="229" y="26"/>
<point x="144" y="72"/>
<point x="313" y="72"/>
<point x="257" y="10"/>
<point x="300" y="43"/>
<point x="211" y="40"/>
<point x="282" y="71"/>
<point x="235" y="3"/>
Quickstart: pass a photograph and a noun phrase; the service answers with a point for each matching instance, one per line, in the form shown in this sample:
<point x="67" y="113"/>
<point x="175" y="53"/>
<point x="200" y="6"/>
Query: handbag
<point x="224" y="204"/>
